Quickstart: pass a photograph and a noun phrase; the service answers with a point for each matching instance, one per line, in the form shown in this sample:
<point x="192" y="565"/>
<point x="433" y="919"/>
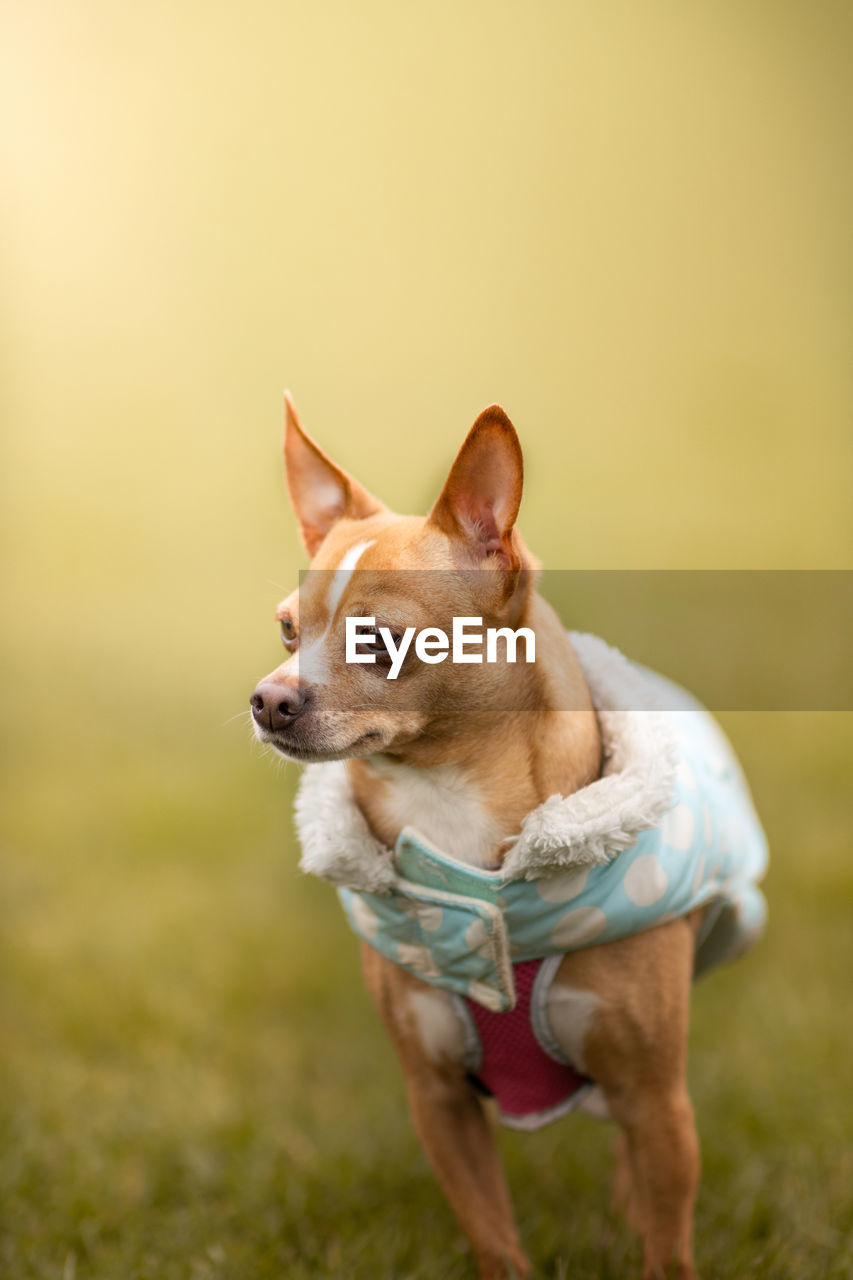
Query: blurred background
<point x="631" y="226"/>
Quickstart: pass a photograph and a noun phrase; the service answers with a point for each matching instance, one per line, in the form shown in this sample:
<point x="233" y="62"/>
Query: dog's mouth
<point x="361" y="745"/>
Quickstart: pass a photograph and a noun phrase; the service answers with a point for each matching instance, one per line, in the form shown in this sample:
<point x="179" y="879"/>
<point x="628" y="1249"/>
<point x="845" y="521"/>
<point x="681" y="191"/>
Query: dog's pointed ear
<point x="481" y="496"/>
<point x="320" y="491"/>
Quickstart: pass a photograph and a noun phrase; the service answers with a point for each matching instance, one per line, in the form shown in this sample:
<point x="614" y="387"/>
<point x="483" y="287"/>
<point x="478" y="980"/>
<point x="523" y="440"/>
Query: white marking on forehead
<point x="343" y="573"/>
<point x="313" y="660"/>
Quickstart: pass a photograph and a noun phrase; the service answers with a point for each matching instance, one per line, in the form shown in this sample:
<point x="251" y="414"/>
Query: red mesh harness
<point x="518" y="1061"/>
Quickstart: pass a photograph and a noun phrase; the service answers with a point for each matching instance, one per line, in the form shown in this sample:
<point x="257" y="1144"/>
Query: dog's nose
<point x="275" y="706"/>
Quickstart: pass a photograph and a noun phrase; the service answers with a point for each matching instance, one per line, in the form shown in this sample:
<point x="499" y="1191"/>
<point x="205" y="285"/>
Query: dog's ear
<point x="320" y="491"/>
<point x="481" y="496"/>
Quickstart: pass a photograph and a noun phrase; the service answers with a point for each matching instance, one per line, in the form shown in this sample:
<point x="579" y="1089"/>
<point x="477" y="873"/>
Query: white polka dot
<point x="476" y="935"/>
<point x="578" y="926"/>
<point x="700" y="874"/>
<point x="365" y="917"/>
<point x="564" y="886"/>
<point x="679" y="826"/>
<point x="418" y="958"/>
<point x="430" y="917"/>
<point x="645" y="880"/>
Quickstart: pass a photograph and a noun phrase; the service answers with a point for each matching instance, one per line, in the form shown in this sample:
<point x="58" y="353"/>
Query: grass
<point x="194" y="1085"/>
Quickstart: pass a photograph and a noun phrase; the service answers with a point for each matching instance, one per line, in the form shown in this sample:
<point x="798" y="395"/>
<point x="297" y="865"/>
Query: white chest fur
<point x="443" y="805"/>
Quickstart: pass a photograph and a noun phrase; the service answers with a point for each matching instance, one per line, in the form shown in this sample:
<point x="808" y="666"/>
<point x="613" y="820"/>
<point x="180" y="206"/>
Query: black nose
<point x="275" y="706"/>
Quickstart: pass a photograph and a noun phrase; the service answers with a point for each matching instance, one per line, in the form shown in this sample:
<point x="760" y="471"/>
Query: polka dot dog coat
<point x="668" y="828"/>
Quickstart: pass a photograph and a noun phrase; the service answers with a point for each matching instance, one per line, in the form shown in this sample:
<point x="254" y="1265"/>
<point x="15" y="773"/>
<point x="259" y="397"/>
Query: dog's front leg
<point x="448" y="1115"/>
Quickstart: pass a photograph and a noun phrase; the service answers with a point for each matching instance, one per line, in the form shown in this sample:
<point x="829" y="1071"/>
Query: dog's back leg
<point x="450" y="1121"/>
<point x="635" y="1048"/>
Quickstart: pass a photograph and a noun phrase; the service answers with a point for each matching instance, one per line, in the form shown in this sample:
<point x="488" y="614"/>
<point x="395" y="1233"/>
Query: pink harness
<point x="516" y="1058"/>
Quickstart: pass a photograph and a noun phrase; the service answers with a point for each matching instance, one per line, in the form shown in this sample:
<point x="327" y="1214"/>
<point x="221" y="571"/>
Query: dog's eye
<point x="371" y="642"/>
<point x="288" y="632"/>
<point x="376" y="644"/>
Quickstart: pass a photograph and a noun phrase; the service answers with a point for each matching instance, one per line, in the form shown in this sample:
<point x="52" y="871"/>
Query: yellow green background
<point x="628" y="223"/>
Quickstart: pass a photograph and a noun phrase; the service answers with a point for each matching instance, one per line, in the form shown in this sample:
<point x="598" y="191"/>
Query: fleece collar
<point x="585" y="829"/>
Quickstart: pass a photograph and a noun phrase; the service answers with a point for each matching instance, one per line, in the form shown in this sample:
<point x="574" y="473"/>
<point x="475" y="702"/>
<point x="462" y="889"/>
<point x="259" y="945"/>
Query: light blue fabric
<point x="461" y="928"/>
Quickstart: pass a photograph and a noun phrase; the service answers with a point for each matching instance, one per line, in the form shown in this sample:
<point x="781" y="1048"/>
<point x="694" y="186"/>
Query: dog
<point x="466" y="808"/>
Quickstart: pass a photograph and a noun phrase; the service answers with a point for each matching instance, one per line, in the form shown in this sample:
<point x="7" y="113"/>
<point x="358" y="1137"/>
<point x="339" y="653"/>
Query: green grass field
<point x="194" y="1084"/>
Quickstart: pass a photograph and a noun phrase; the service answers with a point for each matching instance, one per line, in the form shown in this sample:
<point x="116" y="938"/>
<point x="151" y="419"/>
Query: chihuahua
<point x="440" y="770"/>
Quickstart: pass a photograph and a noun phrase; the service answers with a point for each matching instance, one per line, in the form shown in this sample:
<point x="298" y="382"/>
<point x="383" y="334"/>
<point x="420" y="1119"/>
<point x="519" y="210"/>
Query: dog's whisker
<point x="236" y="716"/>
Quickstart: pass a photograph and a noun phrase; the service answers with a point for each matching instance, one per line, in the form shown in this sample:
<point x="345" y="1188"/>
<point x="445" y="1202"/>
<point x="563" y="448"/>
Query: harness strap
<point x="532" y="1086"/>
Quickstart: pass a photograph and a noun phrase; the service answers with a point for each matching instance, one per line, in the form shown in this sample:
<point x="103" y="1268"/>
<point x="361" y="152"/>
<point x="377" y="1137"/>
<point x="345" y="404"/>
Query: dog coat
<point x="669" y="827"/>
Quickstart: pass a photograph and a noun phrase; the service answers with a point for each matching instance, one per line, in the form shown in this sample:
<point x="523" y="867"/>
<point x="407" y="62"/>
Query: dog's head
<point x="463" y="560"/>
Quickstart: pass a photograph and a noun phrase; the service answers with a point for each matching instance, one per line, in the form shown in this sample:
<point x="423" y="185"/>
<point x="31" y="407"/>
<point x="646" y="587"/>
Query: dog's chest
<point x="442" y="804"/>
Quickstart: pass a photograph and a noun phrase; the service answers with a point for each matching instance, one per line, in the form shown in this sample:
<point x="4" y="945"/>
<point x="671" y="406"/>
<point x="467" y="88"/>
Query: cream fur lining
<point x="587" y="828"/>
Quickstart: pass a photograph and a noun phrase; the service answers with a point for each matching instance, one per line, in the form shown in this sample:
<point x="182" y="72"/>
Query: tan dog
<point x="466" y="779"/>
